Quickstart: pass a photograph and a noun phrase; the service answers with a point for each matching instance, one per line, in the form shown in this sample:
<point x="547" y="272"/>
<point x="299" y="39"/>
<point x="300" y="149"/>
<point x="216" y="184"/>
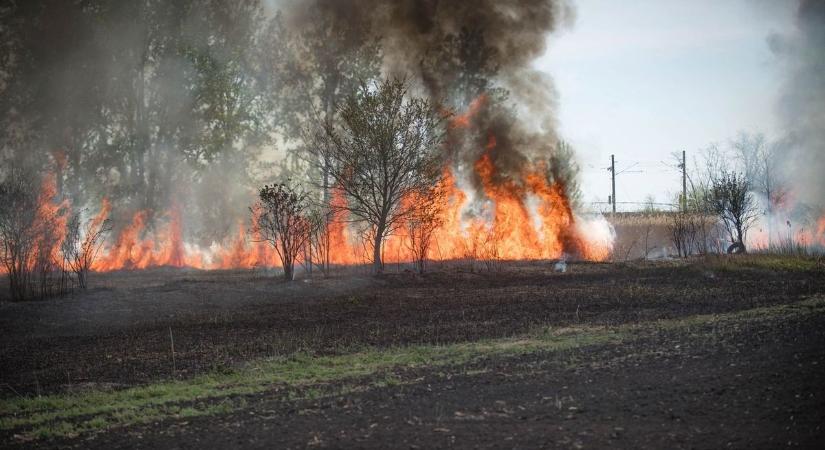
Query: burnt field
<point x="678" y="354"/>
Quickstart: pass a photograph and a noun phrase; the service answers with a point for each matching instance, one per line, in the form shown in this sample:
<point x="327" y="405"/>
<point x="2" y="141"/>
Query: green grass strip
<point x="67" y="415"/>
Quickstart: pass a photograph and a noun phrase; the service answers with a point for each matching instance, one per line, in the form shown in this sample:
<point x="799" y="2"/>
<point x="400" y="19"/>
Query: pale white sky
<point x="644" y="78"/>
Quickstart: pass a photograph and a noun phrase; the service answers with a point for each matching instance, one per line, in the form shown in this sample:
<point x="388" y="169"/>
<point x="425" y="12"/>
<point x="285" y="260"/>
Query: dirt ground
<point x="750" y="384"/>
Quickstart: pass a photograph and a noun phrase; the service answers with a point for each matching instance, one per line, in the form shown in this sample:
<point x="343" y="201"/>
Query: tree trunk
<point x="377" y="266"/>
<point x="289" y="271"/>
<point x="287" y="260"/>
<point x="325" y="181"/>
<point x="740" y="236"/>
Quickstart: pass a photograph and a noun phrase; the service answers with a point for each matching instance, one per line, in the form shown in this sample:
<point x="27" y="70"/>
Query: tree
<point x="731" y="200"/>
<point x="314" y="68"/>
<point x="387" y="149"/>
<point x="18" y="214"/>
<point x="281" y="221"/>
<point x="760" y="160"/>
<point x="424" y="220"/>
<point x="30" y="221"/>
<point x="320" y="245"/>
<point x="82" y="244"/>
<point x="139" y="100"/>
<point x="650" y="205"/>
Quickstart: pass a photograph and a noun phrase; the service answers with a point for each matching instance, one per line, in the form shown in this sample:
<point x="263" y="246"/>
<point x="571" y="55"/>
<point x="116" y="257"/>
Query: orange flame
<point x="525" y="218"/>
<point x="513" y="230"/>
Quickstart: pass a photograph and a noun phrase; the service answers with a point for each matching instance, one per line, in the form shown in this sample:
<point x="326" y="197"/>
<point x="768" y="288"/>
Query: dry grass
<point x="641" y="235"/>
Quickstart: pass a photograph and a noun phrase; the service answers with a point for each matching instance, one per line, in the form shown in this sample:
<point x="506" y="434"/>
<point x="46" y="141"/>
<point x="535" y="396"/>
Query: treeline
<point x="138" y="101"/>
<point x="148" y="104"/>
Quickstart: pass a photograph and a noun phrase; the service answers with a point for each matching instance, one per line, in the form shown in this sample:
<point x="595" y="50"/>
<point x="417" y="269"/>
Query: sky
<point x="643" y="79"/>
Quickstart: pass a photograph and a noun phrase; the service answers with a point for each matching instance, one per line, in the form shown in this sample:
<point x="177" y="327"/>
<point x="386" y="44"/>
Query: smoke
<point x="456" y="52"/>
<point x="119" y="99"/>
<point x="802" y="104"/>
<point x="165" y="108"/>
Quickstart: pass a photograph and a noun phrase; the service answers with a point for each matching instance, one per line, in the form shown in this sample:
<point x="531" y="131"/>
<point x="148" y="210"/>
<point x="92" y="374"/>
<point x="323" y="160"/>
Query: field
<point x="700" y="354"/>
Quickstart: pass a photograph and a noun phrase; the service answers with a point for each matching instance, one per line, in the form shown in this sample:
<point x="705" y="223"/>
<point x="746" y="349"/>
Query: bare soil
<point x="758" y="385"/>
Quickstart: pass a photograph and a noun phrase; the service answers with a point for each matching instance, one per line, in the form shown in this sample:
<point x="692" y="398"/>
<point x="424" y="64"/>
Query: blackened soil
<point x="118" y="333"/>
<point x="739" y="385"/>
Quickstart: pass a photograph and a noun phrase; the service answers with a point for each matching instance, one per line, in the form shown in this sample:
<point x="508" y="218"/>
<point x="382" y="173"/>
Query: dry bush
<point x="481" y="246"/>
<point x="30" y="237"/>
<point x="82" y="244"/>
<point x="317" y="250"/>
<point x="730" y="199"/>
<point x="695" y="234"/>
<point x="282" y="221"/>
<point x="490" y="253"/>
<point x="423" y="221"/>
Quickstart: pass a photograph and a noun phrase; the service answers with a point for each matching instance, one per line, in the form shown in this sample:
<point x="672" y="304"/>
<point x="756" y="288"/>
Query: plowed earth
<point x="741" y="383"/>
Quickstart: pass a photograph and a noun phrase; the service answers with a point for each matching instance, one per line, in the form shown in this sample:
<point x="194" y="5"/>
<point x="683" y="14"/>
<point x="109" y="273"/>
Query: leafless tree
<point x="82" y="245"/>
<point x="18" y="214"/>
<point x="386" y="149"/>
<point x="760" y="160"/>
<point x="695" y="230"/>
<point x="28" y="235"/>
<point x="731" y="200"/>
<point x="45" y="264"/>
<point x="317" y="251"/>
<point x="281" y="221"/>
<point x="422" y="223"/>
<point x="678" y="228"/>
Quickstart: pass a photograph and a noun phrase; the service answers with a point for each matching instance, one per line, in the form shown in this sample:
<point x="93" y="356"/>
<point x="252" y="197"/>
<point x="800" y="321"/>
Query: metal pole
<point x="684" y="182"/>
<point x="613" y="180"/>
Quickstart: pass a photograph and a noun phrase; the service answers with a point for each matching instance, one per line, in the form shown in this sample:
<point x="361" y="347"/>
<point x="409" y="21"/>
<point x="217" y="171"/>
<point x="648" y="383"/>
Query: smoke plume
<point x="462" y="52"/>
<point x="802" y="104"/>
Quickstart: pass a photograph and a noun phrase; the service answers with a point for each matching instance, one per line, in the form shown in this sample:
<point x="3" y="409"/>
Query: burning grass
<point x="508" y="228"/>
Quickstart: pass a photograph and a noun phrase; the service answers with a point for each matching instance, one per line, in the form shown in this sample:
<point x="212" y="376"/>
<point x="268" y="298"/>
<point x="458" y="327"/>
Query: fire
<point x="49" y="222"/>
<point x="134" y="248"/>
<point x="508" y="228"/>
<point x="820" y="231"/>
<point x="52" y="219"/>
<point x="780" y="231"/>
<point x="518" y="218"/>
<point x="464" y="120"/>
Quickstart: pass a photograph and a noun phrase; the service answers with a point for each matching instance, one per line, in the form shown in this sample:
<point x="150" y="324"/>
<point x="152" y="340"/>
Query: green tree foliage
<point x="134" y="99"/>
<point x="313" y="70"/>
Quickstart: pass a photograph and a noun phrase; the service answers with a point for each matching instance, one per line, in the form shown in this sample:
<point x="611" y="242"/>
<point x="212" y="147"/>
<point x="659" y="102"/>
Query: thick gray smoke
<point x="457" y="52"/>
<point x="168" y="108"/>
<point x="802" y="105"/>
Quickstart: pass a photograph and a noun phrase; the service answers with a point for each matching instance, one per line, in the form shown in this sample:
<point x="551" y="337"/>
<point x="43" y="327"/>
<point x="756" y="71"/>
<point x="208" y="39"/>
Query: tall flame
<point x="525" y="218"/>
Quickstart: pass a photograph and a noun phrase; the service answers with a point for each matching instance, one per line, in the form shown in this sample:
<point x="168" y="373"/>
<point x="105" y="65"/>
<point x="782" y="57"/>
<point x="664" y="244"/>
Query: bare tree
<point x="695" y="229"/>
<point x="386" y="149"/>
<point x="422" y="223"/>
<point x="28" y="235"/>
<point x="318" y="247"/>
<point x="82" y="244"/>
<point x="18" y="214"/>
<point x="282" y="222"/>
<point x="760" y="160"/>
<point x="731" y="200"/>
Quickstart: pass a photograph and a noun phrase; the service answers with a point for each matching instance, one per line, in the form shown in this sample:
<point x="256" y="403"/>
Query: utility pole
<point x="613" y="181"/>
<point x="684" y="181"/>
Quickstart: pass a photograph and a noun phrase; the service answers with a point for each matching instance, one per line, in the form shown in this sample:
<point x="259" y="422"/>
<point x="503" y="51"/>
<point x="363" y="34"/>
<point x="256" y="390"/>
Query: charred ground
<point x="668" y="353"/>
